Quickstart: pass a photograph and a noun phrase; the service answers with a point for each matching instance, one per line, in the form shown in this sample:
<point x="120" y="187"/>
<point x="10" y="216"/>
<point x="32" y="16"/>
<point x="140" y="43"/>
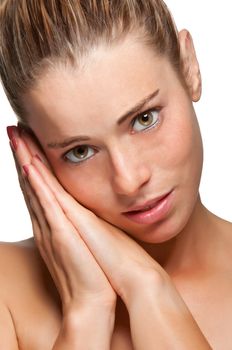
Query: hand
<point x="78" y="277"/>
<point x="79" y="243"/>
<point x="124" y="261"/>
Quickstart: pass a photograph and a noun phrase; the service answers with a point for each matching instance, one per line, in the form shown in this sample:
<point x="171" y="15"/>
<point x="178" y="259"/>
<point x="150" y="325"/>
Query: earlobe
<point x="190" y="67"/>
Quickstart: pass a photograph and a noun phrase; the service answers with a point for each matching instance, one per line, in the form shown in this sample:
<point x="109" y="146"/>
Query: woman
<point x="109" y="156"/>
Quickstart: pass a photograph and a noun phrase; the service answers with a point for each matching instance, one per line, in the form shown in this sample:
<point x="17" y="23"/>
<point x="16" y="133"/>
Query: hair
<point x="36" y="34"/>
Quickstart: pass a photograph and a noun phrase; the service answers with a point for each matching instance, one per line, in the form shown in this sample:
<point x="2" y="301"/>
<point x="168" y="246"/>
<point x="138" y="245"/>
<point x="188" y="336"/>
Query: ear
<point x="190" y="66"/>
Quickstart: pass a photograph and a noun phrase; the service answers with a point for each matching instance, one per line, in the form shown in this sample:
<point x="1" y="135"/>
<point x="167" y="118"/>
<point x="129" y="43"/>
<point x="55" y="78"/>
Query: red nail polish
<point x="11" y="131"/>
<point x="26" y="169"/>
<point x="14" y="144"/>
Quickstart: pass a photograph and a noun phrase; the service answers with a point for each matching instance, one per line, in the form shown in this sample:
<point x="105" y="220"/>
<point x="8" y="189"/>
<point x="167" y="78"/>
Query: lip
<point x="157" y="209"/>
<point x="149" y="203"/>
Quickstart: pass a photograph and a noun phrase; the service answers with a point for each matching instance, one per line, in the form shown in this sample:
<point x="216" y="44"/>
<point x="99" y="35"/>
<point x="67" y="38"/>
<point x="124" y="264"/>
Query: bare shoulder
<point x="28" y="296"/>
<point x="23" y="272"/>
<point x="20" y="263"/>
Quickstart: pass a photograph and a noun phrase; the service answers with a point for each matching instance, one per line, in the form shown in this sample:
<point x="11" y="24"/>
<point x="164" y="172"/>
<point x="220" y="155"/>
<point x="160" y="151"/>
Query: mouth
<point x="151" y="211"/>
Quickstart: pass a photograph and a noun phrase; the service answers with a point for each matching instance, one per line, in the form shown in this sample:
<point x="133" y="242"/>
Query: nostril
<point x="129" y="184"/>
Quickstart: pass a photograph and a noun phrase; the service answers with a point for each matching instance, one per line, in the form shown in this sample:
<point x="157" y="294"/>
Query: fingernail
<point x="14" y="144"/>
<point x="11" y="131"/>
<point x="26" y="169"/>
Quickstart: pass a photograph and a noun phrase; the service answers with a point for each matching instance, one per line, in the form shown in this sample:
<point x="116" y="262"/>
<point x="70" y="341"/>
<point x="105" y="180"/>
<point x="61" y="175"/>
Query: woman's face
<point x="112" y="156"/>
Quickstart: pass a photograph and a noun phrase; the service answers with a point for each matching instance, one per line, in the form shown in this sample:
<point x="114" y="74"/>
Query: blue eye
<point x="79" y="154"/>
<point x="146" y="120"/>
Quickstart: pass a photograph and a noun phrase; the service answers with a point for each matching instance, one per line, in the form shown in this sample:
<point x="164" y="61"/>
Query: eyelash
<point x="155" y="124"/>
<point x="132" y="123"/>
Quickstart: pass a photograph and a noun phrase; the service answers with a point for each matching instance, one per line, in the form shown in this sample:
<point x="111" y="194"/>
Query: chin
<point x="164" y="230"/>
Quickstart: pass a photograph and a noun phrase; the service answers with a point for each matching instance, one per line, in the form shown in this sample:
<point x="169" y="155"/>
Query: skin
<point x="129" y="167"/>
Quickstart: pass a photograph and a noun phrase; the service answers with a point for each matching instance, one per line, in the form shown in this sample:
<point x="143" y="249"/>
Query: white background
<point x="209" y="22"/>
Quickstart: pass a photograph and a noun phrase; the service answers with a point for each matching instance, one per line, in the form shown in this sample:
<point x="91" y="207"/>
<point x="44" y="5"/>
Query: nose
<point x="129" y="173"/>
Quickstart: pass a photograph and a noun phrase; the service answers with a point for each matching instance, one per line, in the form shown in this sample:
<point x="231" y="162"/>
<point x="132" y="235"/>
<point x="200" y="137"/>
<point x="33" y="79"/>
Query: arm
<point x="160" y="318"/>
<point x="89" y="328"/>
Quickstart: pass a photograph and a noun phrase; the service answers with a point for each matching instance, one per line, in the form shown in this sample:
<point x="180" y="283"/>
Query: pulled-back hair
<point x="35" y="34"/>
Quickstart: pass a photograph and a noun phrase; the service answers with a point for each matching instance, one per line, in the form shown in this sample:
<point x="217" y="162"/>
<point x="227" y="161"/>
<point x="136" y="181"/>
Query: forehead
<point x="109" y="82"/>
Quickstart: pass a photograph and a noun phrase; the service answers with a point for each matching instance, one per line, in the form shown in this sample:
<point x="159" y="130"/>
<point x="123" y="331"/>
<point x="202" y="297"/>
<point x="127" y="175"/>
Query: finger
<point x="60" y="226"/>
<point x="32" y="144"/>
<point x="66" y="241"/>
<point x="66" y="201"/>
<point x="108" y="244"/>
<point x="26" y="191"/>
<point x="22" y="183"/>
<point x="59" y="240"/>
<point x="19" y="171"/>
<point x="41" y="231"/>
<point x="39" y="223"/>
<point x="62" y="229"/>
<point x="88" y="225"/>
<point x="36" y="213"/>
<point x="21" y="155"/>
<point x="38" y="220"/>
<point x="103" y="240"/>
<point x="19" y="147"/>
<point x="46" y="198"/>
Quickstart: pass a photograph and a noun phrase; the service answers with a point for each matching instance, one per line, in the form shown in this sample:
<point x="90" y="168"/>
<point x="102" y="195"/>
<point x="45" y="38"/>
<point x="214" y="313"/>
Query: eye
<point x="79" y="154"/>
<point x="146" y="120"/>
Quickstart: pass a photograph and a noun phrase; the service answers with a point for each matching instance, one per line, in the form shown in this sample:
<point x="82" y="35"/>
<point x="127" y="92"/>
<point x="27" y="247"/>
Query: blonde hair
<point x="34" y="34"/>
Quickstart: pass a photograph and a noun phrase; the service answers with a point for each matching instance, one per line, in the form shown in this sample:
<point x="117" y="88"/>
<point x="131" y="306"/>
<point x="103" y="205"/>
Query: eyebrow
<point x="67" y="142"/>
<point x="136" y="109"/>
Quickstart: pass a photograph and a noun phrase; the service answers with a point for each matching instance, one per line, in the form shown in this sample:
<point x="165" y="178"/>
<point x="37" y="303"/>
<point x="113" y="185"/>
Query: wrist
<point x="91" y="314"/>
<point x="161" y="316"/>
<point x="83" y="306"/>
<point x="88" y="326"/>
<point x="145" y="285"/>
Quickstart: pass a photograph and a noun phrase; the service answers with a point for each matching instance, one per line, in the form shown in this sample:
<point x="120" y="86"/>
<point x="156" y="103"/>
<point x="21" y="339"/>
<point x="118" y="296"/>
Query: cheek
<point x="182" y="147"/>
<point x="85" y="186"/>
